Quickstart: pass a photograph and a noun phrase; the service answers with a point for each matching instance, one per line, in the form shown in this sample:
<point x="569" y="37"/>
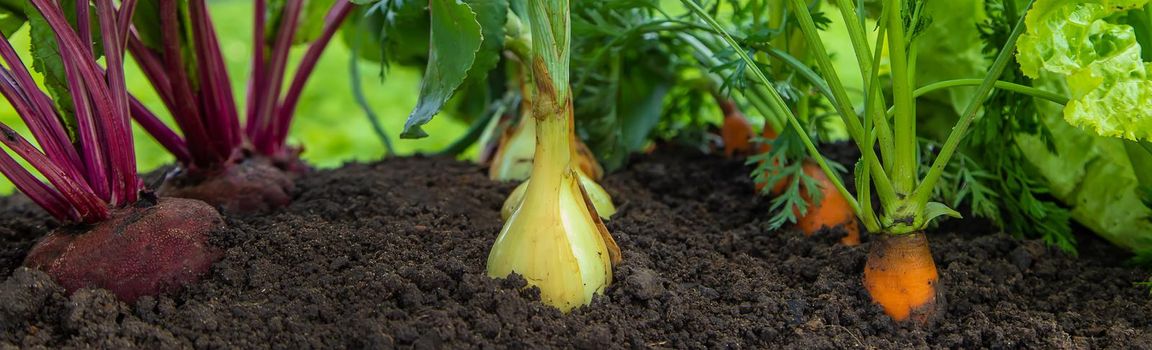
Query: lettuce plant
<point x="1100" y="59"/>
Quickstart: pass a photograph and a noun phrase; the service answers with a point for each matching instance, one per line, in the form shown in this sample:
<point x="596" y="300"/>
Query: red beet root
<point x="253" y="184"/>
<point x="138" y="251"/>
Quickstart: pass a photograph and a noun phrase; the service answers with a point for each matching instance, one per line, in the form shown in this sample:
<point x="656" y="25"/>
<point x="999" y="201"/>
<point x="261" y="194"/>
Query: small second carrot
<point x="832" y="211"/>
<point x="736" y="131"/>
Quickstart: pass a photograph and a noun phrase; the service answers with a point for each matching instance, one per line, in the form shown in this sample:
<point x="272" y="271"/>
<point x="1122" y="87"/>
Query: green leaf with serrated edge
<point x="1109" y="83"/>
<point x="934" y="210"/>
<point x="455" y="40"/>
<point x="46" y="58"/>
<point x="491" y="14"/>
<point x="475" y="94"/>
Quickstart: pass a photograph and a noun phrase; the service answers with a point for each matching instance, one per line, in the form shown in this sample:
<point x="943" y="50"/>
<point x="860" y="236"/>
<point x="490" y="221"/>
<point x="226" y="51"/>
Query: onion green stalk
<point x="554" y="239"/>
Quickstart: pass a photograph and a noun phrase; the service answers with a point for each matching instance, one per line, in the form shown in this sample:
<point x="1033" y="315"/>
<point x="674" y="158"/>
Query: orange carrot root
<point x="901" y="277"/>
<point x="777" y="187"/>
<point x="736" y="131"/>
<point x="768" y="135"/>
<point x="833" y="210"/>
<point x="737" y="134"/>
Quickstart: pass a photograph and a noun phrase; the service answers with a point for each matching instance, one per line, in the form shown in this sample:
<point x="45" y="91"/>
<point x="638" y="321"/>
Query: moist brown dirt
<point x="392" y="255"/>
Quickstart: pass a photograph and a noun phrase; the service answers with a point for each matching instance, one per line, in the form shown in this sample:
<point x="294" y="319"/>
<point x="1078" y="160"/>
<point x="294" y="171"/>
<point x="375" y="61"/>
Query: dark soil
<point x="392" y="255"/>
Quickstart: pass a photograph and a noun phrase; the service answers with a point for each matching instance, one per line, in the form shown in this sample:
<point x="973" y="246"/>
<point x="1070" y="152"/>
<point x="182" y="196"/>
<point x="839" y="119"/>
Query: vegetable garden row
<point x="842" y="134"/>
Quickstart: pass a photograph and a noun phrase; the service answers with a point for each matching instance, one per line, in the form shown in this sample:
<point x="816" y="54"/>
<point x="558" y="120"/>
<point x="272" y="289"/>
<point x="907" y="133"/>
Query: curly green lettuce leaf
<point x="1108" y="81"/>
<point x="1095" y="178"/>
<point x="1099" y="177"/>
<point x="991" y="177"/>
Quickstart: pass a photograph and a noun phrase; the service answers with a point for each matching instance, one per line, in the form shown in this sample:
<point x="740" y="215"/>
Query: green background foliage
<point x="332" y="128"/>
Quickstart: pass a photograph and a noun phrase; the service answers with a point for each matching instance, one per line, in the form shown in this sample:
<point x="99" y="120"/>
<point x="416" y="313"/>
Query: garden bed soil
<point x="392" y="254"/>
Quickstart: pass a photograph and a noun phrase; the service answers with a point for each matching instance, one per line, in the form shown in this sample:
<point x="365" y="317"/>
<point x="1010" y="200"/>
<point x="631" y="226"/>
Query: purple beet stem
<point x="99" y="172"/>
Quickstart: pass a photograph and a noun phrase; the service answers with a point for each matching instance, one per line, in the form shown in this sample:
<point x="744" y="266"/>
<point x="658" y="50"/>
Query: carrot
<point x="901" y="277"/>
<point x="767" y="135"/>
<point x="832" y="211"/>
<point x="736" y="131"/>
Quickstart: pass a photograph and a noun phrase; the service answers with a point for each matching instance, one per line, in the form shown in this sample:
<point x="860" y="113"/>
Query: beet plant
<point x="115" y="234"/>
<point x="238" y="168"/>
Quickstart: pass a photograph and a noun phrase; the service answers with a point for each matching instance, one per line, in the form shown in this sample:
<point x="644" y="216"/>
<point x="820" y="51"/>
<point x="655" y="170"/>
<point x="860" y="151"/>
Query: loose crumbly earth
<point x="392" y="254"/>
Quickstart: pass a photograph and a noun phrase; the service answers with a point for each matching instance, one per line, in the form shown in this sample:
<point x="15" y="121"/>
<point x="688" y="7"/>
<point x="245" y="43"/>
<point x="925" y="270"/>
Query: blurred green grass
<point x="329" y="124"/>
